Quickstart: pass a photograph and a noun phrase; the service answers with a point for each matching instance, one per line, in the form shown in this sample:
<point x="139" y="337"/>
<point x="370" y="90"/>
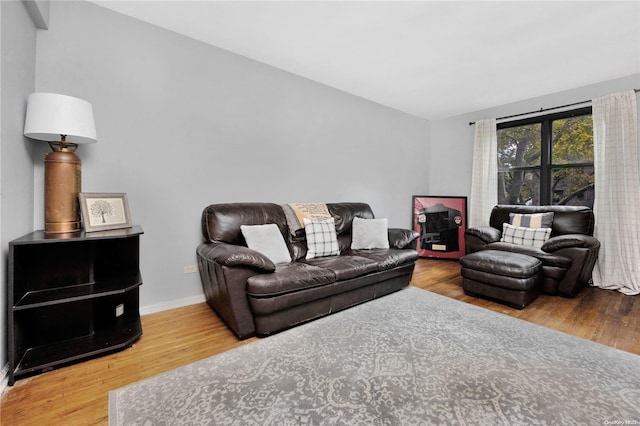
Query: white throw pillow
<point x="322" y="239"/>
<point x="369" y="233"/>
<point x="268" y="240"/>
<point x="534" y="237"/>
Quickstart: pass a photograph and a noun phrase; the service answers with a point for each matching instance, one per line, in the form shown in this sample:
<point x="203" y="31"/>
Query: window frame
<point x="546" y="166"/>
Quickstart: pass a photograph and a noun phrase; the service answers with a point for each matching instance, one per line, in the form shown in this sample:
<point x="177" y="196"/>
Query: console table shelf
<point x="71" y="297"/>
<point x="34" y="299"/>
<point x="47" y="357"/>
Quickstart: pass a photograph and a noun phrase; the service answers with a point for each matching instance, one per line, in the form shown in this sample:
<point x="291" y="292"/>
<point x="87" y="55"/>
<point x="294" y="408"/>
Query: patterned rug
<point x="409" y="358"/>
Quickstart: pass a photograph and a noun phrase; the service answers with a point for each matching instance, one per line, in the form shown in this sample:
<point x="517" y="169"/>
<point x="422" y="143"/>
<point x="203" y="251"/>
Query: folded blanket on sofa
<point x="297" y="212"/>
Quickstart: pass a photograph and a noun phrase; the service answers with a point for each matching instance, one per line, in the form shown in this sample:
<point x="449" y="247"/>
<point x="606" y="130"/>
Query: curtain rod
<point x="471" y="123"/>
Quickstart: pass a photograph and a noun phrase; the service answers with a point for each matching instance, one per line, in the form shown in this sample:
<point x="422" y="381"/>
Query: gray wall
<point x="17" y="79"/>
<point x="182" y="124"/>
<point x="452" y="139"/>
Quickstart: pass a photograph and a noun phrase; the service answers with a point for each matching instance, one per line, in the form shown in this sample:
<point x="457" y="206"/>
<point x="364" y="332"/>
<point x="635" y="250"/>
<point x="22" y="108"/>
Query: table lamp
<point x="64" y="122"/>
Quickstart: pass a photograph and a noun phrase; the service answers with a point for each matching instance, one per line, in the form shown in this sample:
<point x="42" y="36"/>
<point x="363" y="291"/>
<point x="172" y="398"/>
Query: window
<point x="547" y="160"/>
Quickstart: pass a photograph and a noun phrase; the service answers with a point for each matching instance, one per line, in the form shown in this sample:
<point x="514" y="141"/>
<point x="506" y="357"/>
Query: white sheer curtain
<point x="484" y="173"/>
<point x="617" y="192"/>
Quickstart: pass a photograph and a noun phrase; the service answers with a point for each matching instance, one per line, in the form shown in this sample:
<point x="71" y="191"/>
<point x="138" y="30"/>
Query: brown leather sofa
<point x="254" y="296"/>
<point x="568" y="256"/>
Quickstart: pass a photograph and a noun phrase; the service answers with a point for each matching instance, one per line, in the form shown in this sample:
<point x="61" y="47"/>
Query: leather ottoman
<point x="510" y="278"/>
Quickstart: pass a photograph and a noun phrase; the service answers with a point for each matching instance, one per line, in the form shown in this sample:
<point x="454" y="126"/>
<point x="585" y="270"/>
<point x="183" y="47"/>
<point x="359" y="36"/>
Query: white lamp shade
<point x="50" y="115"/>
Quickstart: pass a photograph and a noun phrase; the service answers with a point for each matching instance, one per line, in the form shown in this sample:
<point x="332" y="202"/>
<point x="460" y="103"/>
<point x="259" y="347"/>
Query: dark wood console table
<point x="71" y="297"/>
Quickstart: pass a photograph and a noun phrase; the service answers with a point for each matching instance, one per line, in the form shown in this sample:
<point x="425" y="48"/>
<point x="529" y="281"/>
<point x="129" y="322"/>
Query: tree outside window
<point x="547" y="160"/>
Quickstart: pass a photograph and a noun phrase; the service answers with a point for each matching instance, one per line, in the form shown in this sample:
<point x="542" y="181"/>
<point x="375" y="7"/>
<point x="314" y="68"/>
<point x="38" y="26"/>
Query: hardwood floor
<point x="78" y="394"/>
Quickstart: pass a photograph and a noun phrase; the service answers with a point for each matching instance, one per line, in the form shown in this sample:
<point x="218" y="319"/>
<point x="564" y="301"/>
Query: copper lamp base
<point x="62" y="182"/>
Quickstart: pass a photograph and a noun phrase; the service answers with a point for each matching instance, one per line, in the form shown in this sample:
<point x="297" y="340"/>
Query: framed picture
<point x="104" y="211"/>
<point x="441" y="221"/>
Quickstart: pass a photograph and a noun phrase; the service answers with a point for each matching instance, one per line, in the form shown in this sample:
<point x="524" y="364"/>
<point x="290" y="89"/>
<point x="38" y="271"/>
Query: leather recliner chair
<point x="568" y="256"/>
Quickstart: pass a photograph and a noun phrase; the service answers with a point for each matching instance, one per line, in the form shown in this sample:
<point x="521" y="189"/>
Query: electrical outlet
<point x="190" y="269"/>
<point x="119" y="310"/>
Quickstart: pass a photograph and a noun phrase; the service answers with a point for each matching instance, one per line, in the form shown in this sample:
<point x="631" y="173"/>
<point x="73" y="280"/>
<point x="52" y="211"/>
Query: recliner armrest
<point x="487" y="234"/>
<point x="232" y="255"/>
<point x="401" y="238"/>
<point x="569" y="241"/>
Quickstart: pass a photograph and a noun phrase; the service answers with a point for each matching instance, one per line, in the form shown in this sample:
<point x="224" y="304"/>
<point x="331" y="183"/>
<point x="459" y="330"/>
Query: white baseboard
<point x="165" y="306"/>
<point x="4" y="373"/>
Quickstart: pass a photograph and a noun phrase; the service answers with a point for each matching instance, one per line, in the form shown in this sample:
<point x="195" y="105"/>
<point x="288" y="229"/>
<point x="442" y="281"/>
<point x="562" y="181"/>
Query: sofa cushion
<point x="566" y="219"/>
<point x="287" y="278"/>
<point x="386" y="258"/>
<point x="534" y="237"/>
<point x="221" y="222"/>
<point x="343" y="213"/>
<point x="369" y="233"/>
<point x="322" y="239"/>
<point x="546" y="258"/>
<point x="533" y="220"/>
<point x="268" y="240"/>
<point x="345" y="267"/>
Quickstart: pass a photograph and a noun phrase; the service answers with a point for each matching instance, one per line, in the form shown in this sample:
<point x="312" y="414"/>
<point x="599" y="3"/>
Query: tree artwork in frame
<point x="104" y="211"/>
<point x="441" y="221"/>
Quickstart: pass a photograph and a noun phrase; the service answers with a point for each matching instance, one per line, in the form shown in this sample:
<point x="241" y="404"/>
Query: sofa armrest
<point x="486" y="234"/>
<point x="475" y="239"/>
<point x="569" y="241"/>
<point x="401" y="238"/>
<point x="232" y="255"/>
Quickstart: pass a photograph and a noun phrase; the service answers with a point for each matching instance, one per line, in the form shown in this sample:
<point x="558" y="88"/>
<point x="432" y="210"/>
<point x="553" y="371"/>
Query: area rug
<point x="410" y="358"/>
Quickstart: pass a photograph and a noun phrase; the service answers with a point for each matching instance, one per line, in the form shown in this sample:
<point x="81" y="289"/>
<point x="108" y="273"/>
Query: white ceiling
<point x="432" y="59"/>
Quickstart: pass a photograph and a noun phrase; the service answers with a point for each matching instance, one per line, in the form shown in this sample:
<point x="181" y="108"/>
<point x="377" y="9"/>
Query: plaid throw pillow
<point x="534" y="237"/>
<point x="322" y="239"/>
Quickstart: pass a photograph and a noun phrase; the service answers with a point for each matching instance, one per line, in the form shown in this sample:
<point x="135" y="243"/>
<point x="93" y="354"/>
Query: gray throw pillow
<point x="369" y="233"/>
<point x="268" y="240"/>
